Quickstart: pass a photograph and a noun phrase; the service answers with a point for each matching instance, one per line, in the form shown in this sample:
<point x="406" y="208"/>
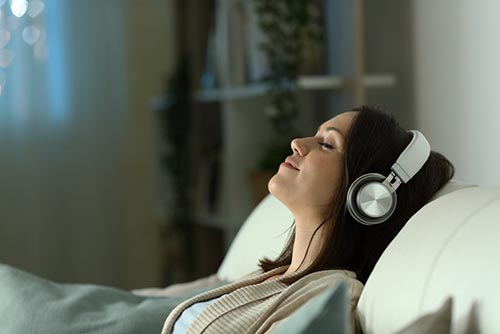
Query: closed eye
<point x="326" y="145"/>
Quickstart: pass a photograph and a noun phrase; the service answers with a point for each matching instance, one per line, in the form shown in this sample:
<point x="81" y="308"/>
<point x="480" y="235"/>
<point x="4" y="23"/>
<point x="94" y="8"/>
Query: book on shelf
<point x="239" y="58"/>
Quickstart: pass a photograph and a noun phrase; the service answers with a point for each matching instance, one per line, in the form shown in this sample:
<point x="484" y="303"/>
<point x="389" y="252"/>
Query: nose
<point x="299" y="146"/>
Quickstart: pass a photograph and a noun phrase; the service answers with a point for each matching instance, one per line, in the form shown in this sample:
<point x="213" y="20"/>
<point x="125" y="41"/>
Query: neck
<point x="306" y="246"/>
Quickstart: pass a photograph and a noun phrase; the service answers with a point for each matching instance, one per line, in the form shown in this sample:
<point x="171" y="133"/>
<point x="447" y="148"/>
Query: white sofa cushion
<point x="448" y="248"/>
<point x="451" y="186"/>
<point x="264" y="233"/>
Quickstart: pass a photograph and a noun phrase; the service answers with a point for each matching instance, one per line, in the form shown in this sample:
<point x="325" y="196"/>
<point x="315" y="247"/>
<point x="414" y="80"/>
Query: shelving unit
<point x="237" y="106"/>
<point x="341" y="85"/>
<point x="317" y="82"/>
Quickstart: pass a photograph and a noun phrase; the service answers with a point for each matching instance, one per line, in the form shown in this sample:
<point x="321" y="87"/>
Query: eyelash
<point x="326" y="145"/>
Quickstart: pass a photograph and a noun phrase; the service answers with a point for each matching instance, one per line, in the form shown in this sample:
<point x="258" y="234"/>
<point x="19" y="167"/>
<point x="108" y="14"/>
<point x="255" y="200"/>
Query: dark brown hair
<point x="373" y="143"/>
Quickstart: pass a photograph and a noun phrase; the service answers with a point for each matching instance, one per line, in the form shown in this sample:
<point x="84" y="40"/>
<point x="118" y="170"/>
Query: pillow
<point x="447" y="248"/>
<point x="438" y="322"/>
<point x="29" y="304"/>
<point x="325" y="313"/>
<point x="269" y="223"/>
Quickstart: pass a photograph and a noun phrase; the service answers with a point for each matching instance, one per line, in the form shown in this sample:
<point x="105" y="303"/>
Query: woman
<point x="327" y="244"/>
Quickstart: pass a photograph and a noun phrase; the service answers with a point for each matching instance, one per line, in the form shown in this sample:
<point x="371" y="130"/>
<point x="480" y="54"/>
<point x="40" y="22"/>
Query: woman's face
<point x="308" y="179"/>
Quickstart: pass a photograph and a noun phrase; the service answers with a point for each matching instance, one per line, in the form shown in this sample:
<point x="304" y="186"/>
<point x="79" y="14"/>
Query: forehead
<point x="341" y="122"/>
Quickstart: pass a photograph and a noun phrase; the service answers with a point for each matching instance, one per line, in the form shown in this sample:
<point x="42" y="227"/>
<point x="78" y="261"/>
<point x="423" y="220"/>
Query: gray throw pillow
<point x="438" y="322"/>
<point x="325" y="313"/>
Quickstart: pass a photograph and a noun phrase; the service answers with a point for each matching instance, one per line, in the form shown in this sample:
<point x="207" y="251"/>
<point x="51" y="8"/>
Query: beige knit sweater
<point x="253" y="305"/>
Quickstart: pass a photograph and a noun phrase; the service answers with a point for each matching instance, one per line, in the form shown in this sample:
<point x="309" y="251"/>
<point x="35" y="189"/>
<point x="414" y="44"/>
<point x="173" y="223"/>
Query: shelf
<point x="304" y="83"/>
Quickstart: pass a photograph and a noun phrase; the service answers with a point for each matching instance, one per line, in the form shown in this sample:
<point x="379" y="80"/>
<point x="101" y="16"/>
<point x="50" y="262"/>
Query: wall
<point x="151" y="56"/>
<point x="389" y="49"/>
<point x="456" y="83"/>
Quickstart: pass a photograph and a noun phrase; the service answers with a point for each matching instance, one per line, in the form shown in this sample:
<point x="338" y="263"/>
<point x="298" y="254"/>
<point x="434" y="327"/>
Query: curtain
<point x="75" y="153"/>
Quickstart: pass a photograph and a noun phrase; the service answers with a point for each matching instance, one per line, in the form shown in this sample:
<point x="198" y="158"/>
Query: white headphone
<point x="371" y="198"/>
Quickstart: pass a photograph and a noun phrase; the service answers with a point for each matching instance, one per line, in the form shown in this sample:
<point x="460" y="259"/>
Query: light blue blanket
<point x="32" y="305"/>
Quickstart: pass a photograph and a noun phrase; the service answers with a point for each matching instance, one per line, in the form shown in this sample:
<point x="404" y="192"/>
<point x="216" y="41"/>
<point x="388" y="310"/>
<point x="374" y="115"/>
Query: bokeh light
<point x="6" y="58"/>
<point x="35" y="8"/>
<point x="18" y="7"/>
<point x="31" y="35"/>
<point x="12" y="28"/>
<point x="4" y="38"/>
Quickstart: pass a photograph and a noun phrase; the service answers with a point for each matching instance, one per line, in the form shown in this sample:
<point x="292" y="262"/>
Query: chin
<point x="271" y="185"/>
<point x="278" y="188"/>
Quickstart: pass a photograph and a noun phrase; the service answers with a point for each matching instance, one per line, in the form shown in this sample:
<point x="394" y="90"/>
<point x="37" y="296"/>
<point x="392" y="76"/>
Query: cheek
<point x="315" y="185"/>
<point x="321" y="191"/>
<point x="325" y="182"/>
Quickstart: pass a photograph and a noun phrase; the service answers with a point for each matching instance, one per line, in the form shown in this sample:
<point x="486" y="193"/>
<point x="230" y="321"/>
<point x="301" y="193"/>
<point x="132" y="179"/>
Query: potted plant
<point x="289" y="26"/>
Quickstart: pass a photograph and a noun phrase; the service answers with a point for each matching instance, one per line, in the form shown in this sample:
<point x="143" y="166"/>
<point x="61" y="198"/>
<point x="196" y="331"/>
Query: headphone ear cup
<point x="369" y="201"/>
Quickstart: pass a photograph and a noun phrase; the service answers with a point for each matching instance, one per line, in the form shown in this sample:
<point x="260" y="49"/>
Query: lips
<point x="291" y="163"/>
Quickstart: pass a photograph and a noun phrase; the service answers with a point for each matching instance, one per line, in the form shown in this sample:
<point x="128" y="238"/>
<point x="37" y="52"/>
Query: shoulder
<point x="331" y="276"/>
<point x="324" y="279"/>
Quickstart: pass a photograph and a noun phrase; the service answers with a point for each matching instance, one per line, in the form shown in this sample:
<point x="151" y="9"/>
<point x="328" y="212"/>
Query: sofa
<point x="439" y="275"/>
<point x="447" y="251"/>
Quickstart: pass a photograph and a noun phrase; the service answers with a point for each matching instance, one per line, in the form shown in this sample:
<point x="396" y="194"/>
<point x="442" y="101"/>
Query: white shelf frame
<point x="304" y="83"/>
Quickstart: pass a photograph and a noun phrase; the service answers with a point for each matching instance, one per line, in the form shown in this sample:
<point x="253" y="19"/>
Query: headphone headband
<point x="413" y="157"/>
